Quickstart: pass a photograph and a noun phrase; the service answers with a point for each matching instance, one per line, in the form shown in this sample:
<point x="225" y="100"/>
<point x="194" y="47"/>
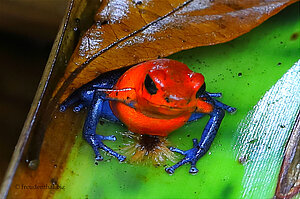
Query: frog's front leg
<point x="89" y="129"/>
<point x="200" y="148"/>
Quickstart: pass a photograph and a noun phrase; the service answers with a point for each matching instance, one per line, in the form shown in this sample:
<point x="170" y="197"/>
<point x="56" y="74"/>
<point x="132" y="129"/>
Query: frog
<point x="153" y="98"/>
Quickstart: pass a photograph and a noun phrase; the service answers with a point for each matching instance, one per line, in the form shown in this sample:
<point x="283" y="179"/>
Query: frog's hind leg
<point x="89" y="129"/>
<point x="200" y="148"/>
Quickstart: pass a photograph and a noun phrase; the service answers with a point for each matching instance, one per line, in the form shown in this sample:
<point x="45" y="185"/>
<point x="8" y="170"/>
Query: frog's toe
<point x="121" y="158"/>
<point x="173" y="149"/>
<point x="78" y="108"/>
<point x="98" y="158"/>
<point x="219" y="95"/>
<point x="170" y="170"/>
<point x="231" y="110"/>
<point x="193" y="169"/>
<point x="110" y="137"/>
<point x="62" y="108"/>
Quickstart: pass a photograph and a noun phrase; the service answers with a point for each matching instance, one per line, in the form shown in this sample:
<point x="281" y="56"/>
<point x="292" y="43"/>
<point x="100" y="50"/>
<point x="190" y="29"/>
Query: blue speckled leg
<point x="200" y="148"/>
<point x="196" y="116"/>
<point x="214" y="94"/>
<point x="93" y="96"/>
<point x="89" y="129"/>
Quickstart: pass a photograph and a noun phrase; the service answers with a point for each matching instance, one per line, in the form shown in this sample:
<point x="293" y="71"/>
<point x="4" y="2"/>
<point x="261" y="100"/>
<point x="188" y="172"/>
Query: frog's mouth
<point x="163" y="111"/>
<point x="184" y="107"/>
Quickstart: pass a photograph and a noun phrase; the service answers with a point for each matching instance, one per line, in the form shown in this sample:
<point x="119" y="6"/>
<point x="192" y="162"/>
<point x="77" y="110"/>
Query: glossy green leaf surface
<point x="243" y="70"/>
<point x="265" y="132"/>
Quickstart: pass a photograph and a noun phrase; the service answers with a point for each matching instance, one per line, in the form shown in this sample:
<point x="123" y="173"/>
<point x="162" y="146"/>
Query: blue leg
<point x="214" y="94"/>
<point x="217" y="103"/>
<point x="89" y="129"/>
<point x="196" y="116"/>
<point x="200" y="148"/>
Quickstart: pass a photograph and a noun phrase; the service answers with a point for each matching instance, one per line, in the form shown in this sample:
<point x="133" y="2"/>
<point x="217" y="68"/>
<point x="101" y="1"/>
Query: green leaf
<point x="243" y="70"/>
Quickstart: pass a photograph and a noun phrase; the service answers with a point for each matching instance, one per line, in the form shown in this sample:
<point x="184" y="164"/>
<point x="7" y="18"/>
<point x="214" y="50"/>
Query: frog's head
<point x="169" y="89"/>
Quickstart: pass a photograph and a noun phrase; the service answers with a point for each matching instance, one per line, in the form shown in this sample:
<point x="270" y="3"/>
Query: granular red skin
<point x="169" y="108"/>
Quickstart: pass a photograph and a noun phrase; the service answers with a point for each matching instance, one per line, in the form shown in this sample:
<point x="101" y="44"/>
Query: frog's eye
<point x="150" y="85"/>
<point x="201" y="91"/>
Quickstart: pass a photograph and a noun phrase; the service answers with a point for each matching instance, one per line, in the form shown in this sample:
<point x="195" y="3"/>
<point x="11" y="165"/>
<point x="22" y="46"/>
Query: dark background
<point x="27" y="31"/>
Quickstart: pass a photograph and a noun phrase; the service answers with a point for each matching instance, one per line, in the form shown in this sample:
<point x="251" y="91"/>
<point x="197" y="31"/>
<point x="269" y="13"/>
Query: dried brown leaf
<point x="127" y="32"/>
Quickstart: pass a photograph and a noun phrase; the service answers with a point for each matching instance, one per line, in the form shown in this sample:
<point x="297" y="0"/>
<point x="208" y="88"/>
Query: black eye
<point x="201" y="91"/>
<point x="150" y="85"/>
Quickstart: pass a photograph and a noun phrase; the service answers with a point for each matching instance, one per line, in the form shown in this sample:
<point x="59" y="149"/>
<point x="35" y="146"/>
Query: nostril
<point x="167" y="99"/>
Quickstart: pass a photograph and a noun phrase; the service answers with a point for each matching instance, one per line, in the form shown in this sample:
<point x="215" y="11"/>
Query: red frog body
<point x="172" y="104"/>
<point x="153" y="98"/>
